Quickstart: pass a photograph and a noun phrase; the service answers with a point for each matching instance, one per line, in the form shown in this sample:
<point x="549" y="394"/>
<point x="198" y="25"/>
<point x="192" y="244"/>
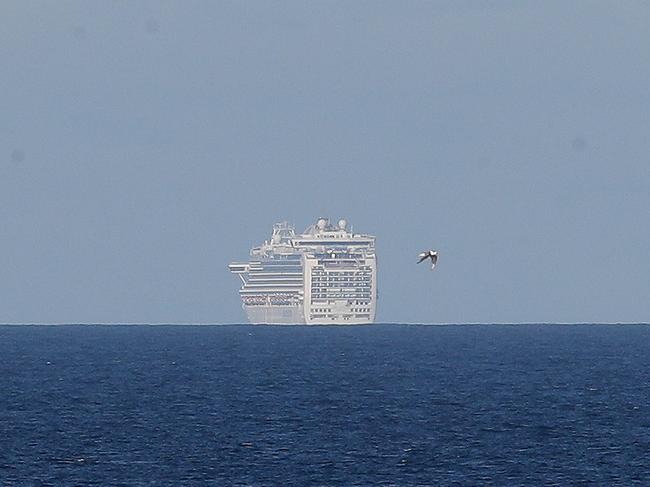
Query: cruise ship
<point x="325" y="276"/>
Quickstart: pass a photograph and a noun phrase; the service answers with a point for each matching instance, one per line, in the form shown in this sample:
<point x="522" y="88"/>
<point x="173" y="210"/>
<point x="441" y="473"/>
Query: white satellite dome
<point x="342" y="224"/>
<point x="321" y="224"/>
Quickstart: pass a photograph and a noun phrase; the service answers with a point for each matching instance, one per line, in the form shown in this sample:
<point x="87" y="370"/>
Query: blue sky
<point x="147" y="144"/>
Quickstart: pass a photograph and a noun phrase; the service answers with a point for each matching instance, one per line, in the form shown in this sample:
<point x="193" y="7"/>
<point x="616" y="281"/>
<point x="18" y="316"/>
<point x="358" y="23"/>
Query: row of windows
<point x="333" y="317"/>
<point x="340" y="279"/>
<point x="350" y="302"/>
<point x="342" y="284"/>
<point x="330" y="268"/>
<point x="337" y="275"/>
<point x="332" y="295"/>
<point x="363" y="266"/>
<point x="350" y="285"/>
<point x="334" y="291"/>
<point x="343" y="289"/>
<point x="288" y="302"/>
<point x="340" y="275"/>
<point x="329" y="310"/>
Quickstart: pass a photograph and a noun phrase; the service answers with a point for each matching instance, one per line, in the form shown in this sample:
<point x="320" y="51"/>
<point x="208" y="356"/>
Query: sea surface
<point x="382" y="405"/>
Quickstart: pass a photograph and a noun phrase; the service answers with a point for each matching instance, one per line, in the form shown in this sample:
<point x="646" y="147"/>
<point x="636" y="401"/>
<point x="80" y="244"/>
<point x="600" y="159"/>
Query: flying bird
<point x="429" y="254"/>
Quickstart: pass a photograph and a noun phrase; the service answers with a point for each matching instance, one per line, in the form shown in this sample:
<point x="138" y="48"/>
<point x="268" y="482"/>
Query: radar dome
<point x="342" y="224"/>
<point x="321" y="224"/>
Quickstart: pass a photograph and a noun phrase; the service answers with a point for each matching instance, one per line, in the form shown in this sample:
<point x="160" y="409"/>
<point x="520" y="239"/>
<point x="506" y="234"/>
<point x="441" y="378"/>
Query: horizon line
<point x="214" y="323"/>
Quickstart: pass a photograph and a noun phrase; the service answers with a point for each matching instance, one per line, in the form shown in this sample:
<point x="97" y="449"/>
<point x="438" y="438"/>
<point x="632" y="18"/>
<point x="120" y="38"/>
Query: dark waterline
<point x="369" y="405"/>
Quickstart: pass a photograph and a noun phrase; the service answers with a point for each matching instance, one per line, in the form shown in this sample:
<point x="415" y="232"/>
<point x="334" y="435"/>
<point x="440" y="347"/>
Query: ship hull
<point x="275" y="315"/>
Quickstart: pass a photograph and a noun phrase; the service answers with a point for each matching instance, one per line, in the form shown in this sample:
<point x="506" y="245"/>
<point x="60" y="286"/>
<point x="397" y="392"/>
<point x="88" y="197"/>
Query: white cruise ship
<point x="325" y="276"/>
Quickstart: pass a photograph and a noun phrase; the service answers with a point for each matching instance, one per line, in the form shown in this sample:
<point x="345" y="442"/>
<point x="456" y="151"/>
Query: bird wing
<point x="423" y="256"/>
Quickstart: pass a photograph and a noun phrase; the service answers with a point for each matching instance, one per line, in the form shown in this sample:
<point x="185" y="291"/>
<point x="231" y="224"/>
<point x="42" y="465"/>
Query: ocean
<point x="380" y="405"/>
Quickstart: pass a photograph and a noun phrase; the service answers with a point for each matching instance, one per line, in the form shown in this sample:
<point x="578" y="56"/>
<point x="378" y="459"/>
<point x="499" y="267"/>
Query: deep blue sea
<point x="389" y="405"/>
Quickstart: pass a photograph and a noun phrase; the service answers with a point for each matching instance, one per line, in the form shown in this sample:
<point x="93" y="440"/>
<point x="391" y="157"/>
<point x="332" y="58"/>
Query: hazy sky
<point x="144" y="145"/>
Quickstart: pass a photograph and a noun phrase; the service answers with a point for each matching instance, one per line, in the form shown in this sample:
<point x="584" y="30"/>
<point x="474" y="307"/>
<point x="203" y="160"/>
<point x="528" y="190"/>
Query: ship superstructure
<point x="326" y="275"/>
